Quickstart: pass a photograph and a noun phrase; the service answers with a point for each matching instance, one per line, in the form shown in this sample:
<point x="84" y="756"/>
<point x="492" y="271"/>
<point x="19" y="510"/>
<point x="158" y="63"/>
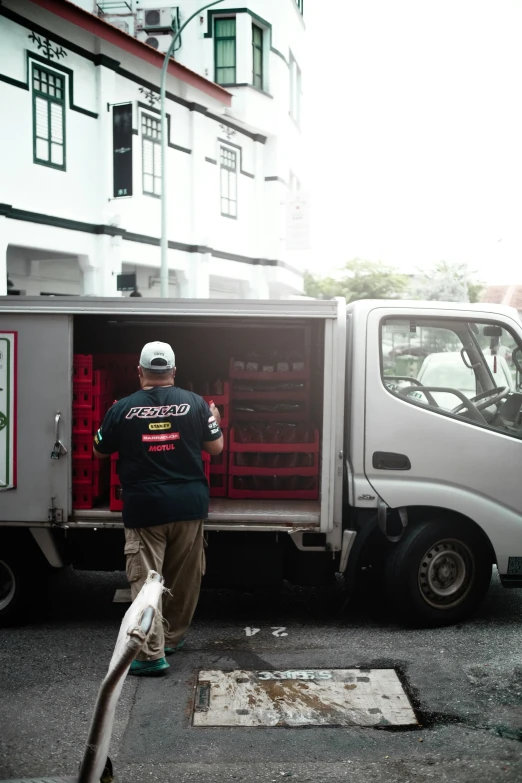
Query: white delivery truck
<point x="419" y="485"/>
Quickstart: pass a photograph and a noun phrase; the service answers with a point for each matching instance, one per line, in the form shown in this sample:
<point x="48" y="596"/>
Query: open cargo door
<point x="35" y="383"/>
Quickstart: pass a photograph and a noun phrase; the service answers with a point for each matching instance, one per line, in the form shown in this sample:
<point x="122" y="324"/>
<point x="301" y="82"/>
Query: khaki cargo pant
<point x="176" y="551"/>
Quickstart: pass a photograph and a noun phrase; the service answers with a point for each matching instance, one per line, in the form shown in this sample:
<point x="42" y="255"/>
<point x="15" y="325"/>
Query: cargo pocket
<point x="133" y="564"/>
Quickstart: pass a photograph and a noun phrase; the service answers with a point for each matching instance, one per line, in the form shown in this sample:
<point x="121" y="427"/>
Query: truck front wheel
<point x="438" y="573"/>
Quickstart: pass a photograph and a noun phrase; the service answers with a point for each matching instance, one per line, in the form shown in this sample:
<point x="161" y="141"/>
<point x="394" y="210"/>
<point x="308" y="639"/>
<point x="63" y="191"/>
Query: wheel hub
<point x="446" y="574"/>
<point x="7" y="585"/>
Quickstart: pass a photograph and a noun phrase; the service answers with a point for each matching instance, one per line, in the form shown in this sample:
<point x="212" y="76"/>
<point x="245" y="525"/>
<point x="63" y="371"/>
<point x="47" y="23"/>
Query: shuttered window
<point x="228" y="172"/>
<point x="151" y="155"/>
<point x="48" y="118"/>
<point x="225" y="51"/>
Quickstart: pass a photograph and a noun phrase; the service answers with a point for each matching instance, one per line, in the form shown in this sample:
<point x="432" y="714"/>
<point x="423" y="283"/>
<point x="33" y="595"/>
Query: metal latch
<point x="54" y="515"/>
<point x="58" y="448"/>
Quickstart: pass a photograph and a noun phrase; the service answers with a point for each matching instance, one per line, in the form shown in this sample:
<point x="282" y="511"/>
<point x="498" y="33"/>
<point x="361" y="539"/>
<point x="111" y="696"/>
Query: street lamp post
<point x="164" y="146"/>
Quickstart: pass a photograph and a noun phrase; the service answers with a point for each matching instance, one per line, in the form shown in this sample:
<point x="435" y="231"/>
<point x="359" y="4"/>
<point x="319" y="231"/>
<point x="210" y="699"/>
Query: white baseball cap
<point x="157" y="357"/>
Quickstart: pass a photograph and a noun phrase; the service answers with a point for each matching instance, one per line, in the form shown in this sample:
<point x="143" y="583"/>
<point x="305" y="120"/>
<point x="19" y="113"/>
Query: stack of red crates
<point x="116" y="502"/>
<point x="219" y="465"/>
<point x="280" y="457"/>
<point x="92" y="396"/>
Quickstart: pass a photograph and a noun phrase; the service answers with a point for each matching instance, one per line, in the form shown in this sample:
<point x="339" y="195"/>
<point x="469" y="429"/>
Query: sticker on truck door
<point x="8" y="369"/>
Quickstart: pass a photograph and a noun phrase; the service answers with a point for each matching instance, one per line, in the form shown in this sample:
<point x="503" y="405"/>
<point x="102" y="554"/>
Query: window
<point x="228" y="171"/>
<point x="257" y="56"/>
<point x="466" y="369"/>
<point x="151" y="154"/>
<point x="48" y="118"/>
<point x="295" y="90"/>
<point x="225" y="50"/>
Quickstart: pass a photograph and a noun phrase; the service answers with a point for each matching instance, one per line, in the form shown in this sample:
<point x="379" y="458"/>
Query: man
<point x="159" y="433"/>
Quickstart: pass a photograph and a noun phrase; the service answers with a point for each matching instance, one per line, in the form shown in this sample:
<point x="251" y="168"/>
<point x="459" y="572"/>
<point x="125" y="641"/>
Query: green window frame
<point x="228" y="174"/>
<point x="151" y="155"/>
<point x="257" y="56"/>
<point x="299" y="4"/>
<point x="48" y="118"/>
<point x="225" y="50"/>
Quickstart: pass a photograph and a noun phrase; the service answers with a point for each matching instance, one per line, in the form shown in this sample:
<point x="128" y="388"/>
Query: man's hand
<point x="215" y="412"/>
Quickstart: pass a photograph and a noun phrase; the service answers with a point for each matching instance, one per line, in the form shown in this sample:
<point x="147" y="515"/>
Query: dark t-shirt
<point x="159" y="434"/>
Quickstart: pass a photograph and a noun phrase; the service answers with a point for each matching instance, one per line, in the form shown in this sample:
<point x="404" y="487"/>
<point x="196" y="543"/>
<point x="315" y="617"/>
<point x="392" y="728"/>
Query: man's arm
<point x="105" y="441"/>
<point x="214" y="447"/>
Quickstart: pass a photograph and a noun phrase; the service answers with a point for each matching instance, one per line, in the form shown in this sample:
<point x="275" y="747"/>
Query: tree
<point x="358" y="279"/>
<point x="446" y="282"/>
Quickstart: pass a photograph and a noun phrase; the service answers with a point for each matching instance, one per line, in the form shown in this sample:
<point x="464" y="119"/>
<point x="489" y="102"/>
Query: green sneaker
<point x="177" y="648"/>
<point x="149" y="668"/>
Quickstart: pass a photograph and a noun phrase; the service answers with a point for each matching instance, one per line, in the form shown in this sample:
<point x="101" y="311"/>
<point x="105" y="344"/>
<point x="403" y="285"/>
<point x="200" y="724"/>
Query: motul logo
<point x="163" y="447"/>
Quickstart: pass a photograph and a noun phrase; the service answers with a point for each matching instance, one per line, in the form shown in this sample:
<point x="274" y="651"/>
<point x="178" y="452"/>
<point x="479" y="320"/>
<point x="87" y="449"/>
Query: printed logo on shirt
<point x="213" y="426"/>
<point x="159" y="411"/>
<point x="163" y="425"/>
<point x="163" y="447"/>
<point x="163" y="438"/>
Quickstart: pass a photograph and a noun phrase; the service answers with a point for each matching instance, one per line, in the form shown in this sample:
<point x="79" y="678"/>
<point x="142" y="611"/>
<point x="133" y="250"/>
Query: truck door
<point x="443" y="418"/>
<point x="41" y="383"/>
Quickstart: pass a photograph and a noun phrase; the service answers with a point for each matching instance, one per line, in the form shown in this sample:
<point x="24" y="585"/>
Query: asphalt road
<point x="465" y="683"/>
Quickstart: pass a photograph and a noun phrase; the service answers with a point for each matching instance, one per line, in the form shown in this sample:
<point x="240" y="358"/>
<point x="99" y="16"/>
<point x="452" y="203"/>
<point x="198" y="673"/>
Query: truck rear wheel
<point x="21" y="571"/>
<point x="438" y="573"/>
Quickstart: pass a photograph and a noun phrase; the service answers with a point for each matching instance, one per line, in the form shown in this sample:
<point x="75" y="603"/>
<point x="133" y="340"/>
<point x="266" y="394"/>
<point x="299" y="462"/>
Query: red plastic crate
<point x="82" y="496"/>
<point x="82" y="447"/>
<point x="246" y="375"/>
<point x="300" y="395"/>
<point x="83" y="395"/>
<point x="82" y="422"/>
<point x="100" y="405"/>
<point x="206" y="464"/>
<point x="247" y="470"/>
<point x="218" y="485"/>
<point x="276" y="448"/>
<point x="272" y="494"/>
<point x="272" y="416"/>
<point x="116" y="502"/>
<point x="100" y="478"/>
<point x="83" y="471"/>
<point x="219" y="399"/>
<point x="82" y="368"/>
<point x="102" y="383"/>
<point x="115" y="479"/>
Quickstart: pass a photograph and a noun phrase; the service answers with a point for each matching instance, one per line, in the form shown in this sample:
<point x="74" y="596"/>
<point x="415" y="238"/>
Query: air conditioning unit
<point x="159" y="41"/>
<point x="155" y="19"/>
<point x="122" y="23"/>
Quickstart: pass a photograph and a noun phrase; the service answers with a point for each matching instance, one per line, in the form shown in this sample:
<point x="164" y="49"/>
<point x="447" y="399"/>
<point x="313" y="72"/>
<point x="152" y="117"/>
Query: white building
<point x="80" y="171"/>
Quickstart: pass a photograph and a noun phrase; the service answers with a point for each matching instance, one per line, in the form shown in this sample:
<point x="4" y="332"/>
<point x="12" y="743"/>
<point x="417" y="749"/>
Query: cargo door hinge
<point x="54" y="515"/>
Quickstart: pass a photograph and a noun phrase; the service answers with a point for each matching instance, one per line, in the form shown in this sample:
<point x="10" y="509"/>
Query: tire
<point x="20" y="582"/>
<point x="438" y="573"/>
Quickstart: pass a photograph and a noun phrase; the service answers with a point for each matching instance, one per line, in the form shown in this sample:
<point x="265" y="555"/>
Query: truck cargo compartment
<point x="265" y="375"/>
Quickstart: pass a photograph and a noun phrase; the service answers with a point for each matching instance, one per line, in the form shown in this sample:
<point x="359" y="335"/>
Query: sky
<point x="413" y="121"/>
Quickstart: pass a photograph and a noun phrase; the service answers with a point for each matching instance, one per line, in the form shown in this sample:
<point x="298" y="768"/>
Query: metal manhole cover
<point x="309" y="697"/>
